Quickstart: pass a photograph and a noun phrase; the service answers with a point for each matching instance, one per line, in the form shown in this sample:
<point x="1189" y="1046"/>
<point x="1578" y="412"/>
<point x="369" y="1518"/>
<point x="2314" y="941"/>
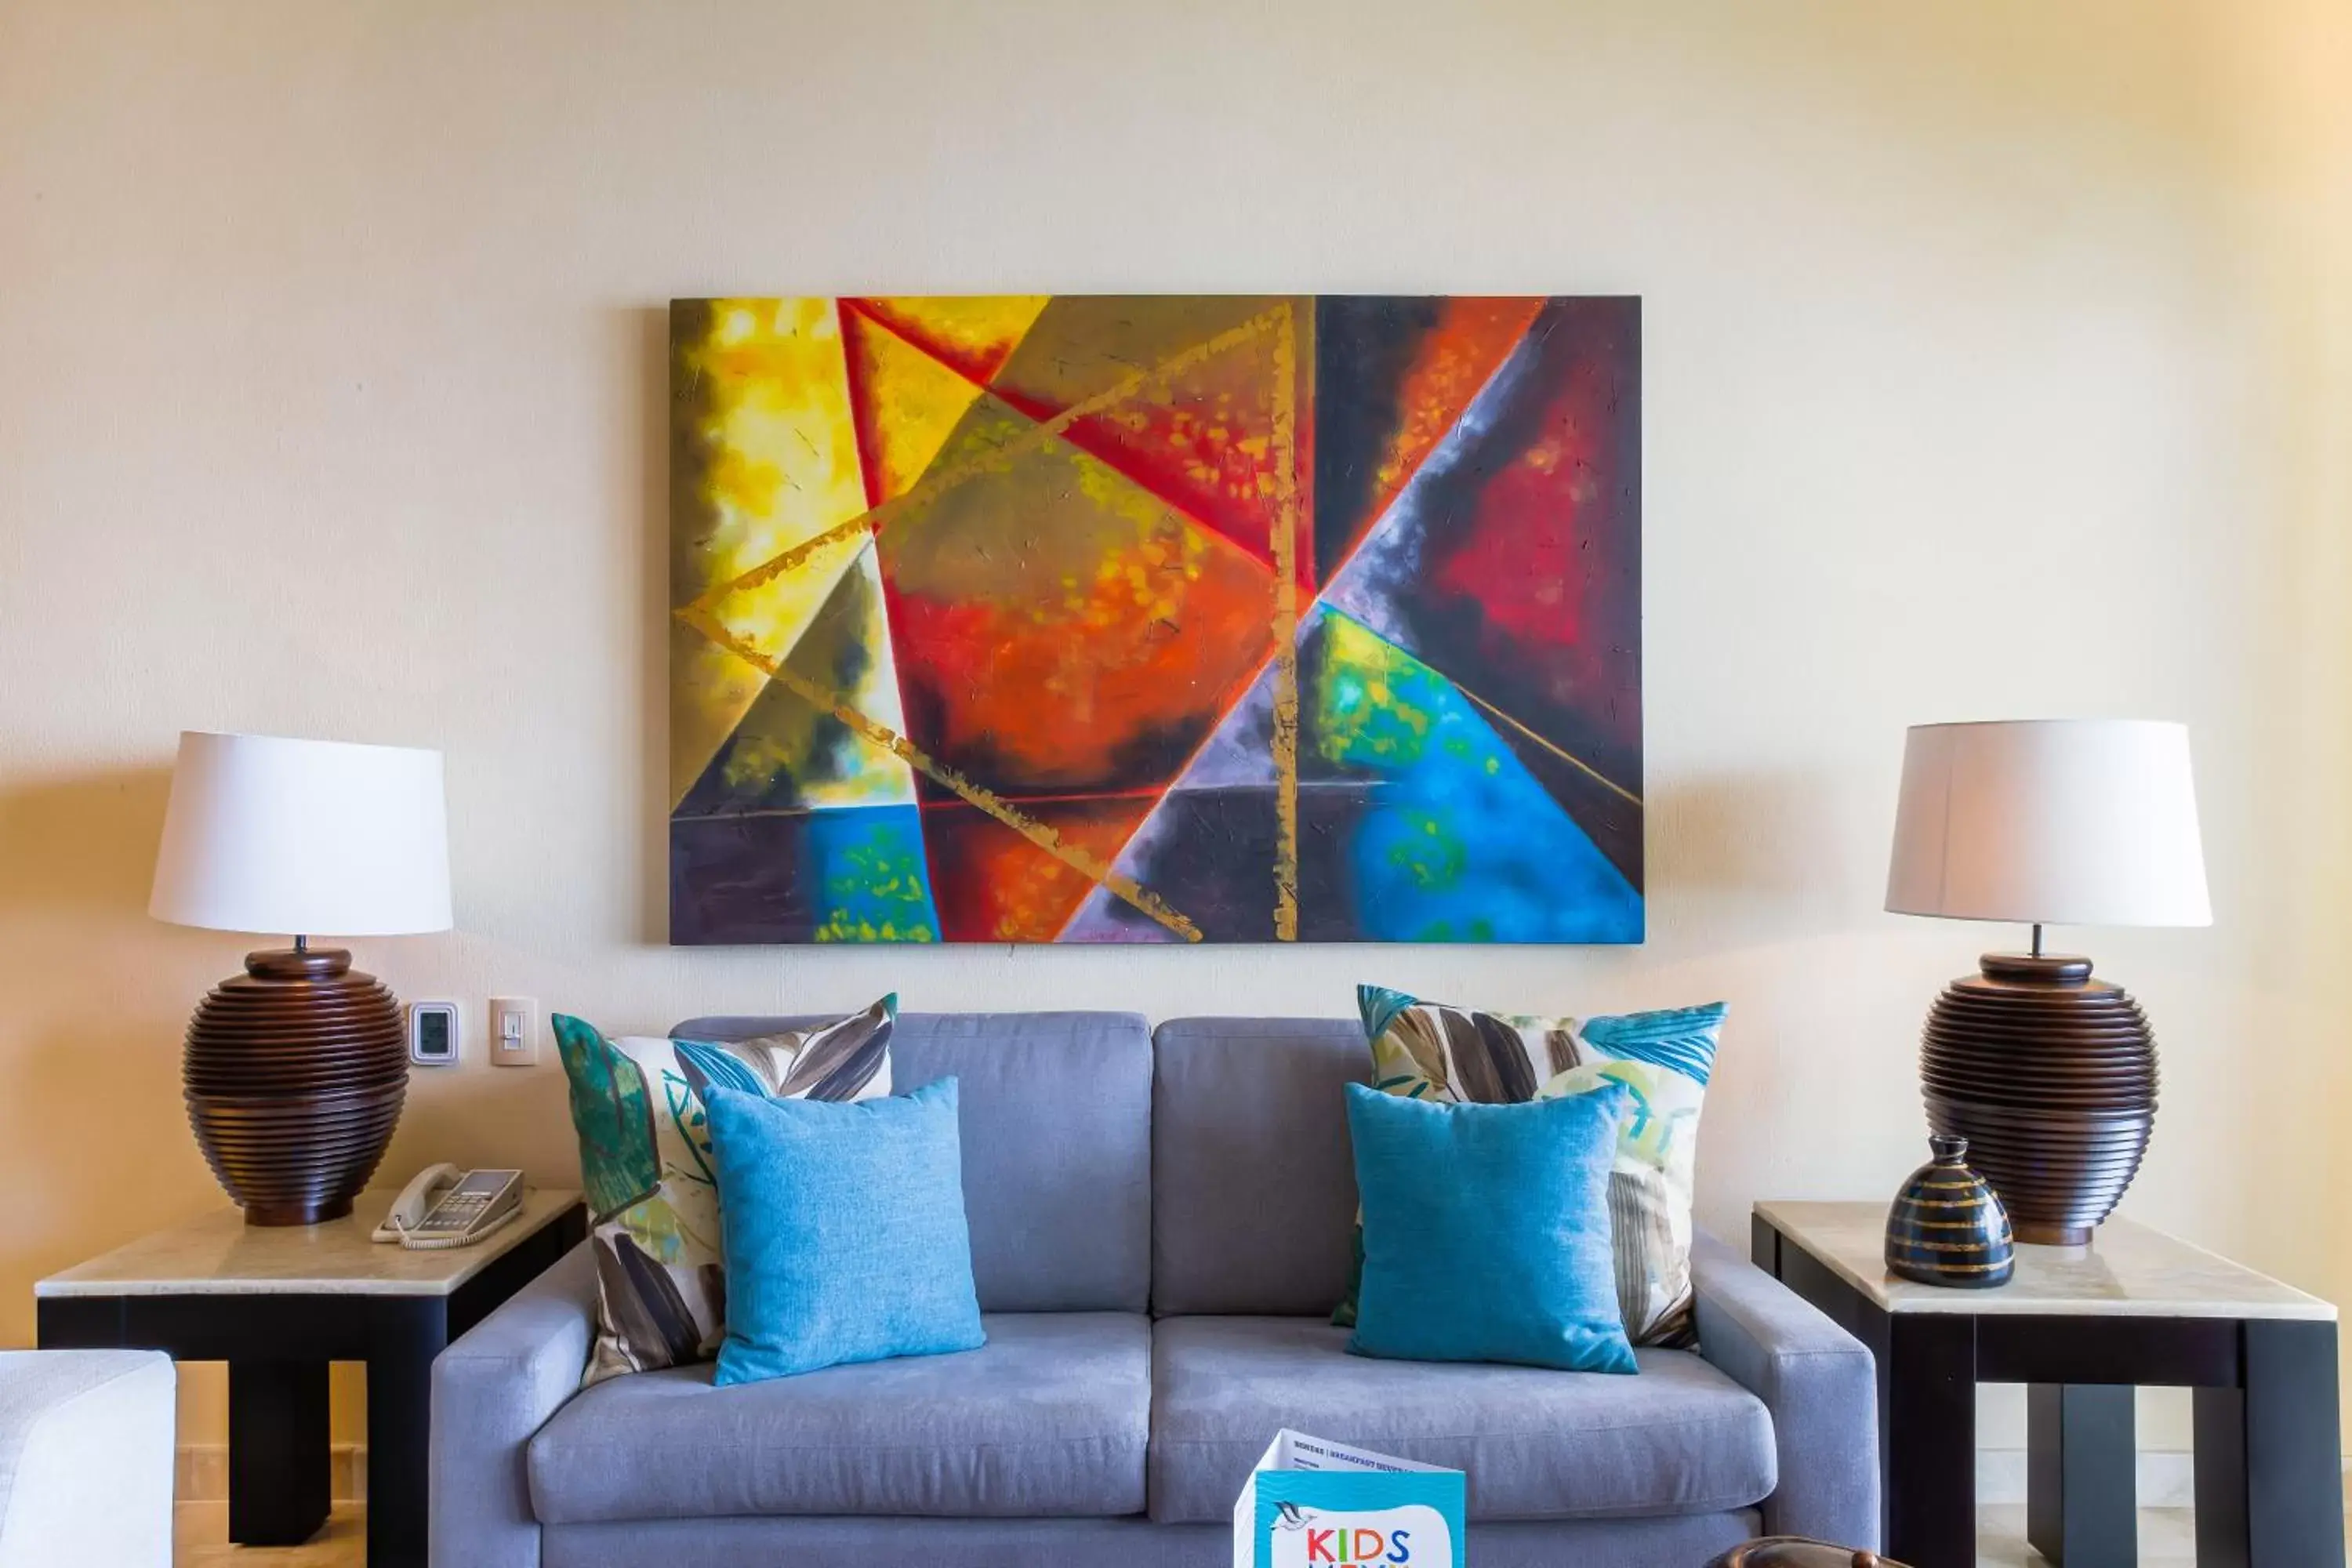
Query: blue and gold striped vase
<point x="1947" y="1228"/>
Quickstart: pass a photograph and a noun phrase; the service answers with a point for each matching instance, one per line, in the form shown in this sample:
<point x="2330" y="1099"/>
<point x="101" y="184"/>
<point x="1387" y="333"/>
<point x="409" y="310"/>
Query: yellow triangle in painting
<point x="972" y="333"/>
<point x="771" y="471"/>
<point x="906" y="403"/>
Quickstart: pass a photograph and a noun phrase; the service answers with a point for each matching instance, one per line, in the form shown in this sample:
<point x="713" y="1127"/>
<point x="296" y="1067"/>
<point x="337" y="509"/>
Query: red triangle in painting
<point x="1205" y="437"/>
<point x="1431" y="387"/>
<point x="1222" y="477"/>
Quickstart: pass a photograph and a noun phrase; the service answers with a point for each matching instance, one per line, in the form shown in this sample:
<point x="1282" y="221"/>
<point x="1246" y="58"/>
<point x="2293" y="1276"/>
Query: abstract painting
<point x="1181" y="618"/>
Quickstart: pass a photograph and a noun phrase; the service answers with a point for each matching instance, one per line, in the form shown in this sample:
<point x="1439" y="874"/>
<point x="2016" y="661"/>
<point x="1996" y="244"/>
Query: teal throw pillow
<point x="844" y="1231"/>
<point x="1428" y="1050"/>
<point x="644" y="1160"/>
<point x="1487" y="1230"/>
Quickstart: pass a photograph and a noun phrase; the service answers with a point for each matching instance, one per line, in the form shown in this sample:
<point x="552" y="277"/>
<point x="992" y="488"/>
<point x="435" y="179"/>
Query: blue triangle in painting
<point x="1383" y="587"/>
<point x="1425" y="825"/>
<point x="1458" y="842"/>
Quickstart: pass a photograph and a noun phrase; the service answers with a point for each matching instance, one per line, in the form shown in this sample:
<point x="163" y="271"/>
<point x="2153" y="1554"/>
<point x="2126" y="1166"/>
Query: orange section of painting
<point x="1060" y="628"/>
<point x="1004" y="888"/>
<point x="1017" y="668"/>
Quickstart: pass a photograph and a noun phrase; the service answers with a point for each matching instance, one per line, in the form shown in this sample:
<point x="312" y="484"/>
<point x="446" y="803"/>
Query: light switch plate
<point x="514" y="1031"/>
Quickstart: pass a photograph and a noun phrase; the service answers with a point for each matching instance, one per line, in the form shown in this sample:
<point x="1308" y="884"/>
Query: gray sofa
<point x="1159" y="1227"/>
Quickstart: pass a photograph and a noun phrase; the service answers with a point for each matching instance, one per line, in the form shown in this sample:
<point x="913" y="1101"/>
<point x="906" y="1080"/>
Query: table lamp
<point x="296" y="1069"/>
<point x="2049" y="1074"/>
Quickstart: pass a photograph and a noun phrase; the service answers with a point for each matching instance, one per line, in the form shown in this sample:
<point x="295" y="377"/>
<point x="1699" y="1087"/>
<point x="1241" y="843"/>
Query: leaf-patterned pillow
<point x="1427" y="1051"/>
<point x="644" y="1160"/>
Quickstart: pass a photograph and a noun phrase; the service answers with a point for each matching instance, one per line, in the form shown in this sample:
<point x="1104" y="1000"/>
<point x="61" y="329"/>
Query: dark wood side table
<point x="278" y="1304"/>
<point x="2080" y="1327"/>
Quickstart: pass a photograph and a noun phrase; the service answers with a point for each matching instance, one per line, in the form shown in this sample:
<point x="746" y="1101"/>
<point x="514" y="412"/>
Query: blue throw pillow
<point x="1487" y="1230"/>
<point x="844" y="1231"/>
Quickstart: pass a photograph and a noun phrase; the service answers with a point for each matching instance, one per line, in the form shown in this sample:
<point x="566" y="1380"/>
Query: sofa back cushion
<point x="1253" y="1184"/>
<point x="1057" y="1124"/>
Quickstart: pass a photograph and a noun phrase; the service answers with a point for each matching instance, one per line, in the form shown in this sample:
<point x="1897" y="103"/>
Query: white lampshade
<point x="303" y="837"/>
<point x="2056" y="822"/>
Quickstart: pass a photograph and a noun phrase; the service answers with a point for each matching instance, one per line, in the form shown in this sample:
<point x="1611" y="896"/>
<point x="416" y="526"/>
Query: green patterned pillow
<point x="1427" y="1051"/>
<point x="644" y="1159"/>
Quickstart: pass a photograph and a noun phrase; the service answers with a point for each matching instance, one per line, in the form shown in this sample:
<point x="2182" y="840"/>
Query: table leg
<point x="2080" y="1493"/>
<point x="2270" y="1486"/>
<point x="1763" y="1245"/>
<point x="1928" y="1437"/>
<point x="279" y="1474"/>
<point x="403" y="1339"/>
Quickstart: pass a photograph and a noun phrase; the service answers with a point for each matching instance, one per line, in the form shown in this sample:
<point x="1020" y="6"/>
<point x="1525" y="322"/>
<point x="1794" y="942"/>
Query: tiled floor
<point x="200" y="1539"/>
<point x="2166" y="1540"/>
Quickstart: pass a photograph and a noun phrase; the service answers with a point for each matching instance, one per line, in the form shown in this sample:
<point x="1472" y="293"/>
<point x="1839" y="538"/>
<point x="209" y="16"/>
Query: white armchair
<point x="85" y="1458"/>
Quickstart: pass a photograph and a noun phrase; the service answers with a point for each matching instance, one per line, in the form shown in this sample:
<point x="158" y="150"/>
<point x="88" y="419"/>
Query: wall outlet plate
<point x="514" y="1031"/>
<point x="436" y="1033"/>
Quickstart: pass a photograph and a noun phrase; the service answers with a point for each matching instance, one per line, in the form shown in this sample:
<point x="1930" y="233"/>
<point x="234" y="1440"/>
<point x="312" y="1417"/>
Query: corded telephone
<point x="446" y="1206"/>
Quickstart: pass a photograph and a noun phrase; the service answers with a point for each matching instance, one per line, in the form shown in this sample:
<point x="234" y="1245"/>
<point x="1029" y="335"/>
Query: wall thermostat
<point x="432" y="1034"/>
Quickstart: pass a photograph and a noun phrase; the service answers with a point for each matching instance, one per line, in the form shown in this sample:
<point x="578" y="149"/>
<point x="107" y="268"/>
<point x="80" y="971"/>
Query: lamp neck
<point x="2047" y="969"/>
<point x="299" y="964"/>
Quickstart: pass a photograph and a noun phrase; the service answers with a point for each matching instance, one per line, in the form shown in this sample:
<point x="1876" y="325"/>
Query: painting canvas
<point x="1155" y="618"/>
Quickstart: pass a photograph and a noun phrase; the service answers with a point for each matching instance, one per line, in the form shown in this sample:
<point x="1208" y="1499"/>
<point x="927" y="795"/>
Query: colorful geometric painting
<point x="1156" y="618"/>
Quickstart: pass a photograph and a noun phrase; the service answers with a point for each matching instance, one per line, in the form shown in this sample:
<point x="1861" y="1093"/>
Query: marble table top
<point x="220" y="1255"/>
<point x="2129" y="1270"/>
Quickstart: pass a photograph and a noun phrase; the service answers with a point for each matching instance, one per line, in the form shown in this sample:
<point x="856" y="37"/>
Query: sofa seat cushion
<point x="1680" y="1437"/>
<point x="1048" y="1419"/>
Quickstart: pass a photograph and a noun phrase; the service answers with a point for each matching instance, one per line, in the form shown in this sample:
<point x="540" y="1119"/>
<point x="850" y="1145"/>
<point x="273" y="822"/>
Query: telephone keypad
<point x="455" y="1213"/>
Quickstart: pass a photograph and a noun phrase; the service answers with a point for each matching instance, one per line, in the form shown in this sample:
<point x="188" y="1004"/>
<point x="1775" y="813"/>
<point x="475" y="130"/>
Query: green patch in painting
<point x="870" y="864"/>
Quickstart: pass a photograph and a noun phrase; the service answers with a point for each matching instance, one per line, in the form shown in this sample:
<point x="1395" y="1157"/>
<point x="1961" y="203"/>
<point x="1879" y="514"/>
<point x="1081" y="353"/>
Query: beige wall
<point x="1996" y="364"/>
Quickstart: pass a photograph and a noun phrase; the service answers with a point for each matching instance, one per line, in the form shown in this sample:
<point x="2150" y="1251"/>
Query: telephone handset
<point x="446" y="1206"/>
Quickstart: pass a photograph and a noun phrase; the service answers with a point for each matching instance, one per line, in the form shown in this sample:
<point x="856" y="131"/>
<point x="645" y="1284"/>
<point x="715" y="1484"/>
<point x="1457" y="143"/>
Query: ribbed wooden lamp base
<point x="2051" y="1077"/>
<point x="295" y="1073"/>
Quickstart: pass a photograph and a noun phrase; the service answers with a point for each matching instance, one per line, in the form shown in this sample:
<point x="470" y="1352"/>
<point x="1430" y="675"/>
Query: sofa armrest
<point x="492" y="1389"/>
<point x="85" y="1458"/>
<point x="1818" y="1381"/>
